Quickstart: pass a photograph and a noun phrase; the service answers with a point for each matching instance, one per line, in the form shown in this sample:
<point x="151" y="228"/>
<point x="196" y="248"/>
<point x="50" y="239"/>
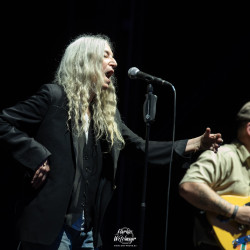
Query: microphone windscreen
<point x="132" y="72"/>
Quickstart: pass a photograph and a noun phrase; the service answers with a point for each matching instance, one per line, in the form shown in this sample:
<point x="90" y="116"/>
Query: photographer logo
<point x="124" y="238"/>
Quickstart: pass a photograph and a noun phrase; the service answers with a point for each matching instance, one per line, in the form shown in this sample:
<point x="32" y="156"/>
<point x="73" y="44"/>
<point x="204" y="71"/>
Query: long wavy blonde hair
<point x="81" y="75"/>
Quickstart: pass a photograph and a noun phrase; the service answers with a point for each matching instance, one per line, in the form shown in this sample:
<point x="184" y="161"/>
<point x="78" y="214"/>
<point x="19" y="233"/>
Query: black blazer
<point x="36" y="129"/>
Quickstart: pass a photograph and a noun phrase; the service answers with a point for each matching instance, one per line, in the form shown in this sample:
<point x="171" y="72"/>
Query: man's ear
<point x="248" y="128"/>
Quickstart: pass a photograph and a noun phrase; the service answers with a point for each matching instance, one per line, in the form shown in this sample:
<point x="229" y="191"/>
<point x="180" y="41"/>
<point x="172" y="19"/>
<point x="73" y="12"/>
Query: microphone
<point x="135" y="73"/>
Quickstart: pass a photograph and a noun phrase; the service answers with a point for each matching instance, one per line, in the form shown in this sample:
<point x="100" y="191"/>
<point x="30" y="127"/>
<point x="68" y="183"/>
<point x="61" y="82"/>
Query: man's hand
<point x="40" y="175"/>
<point x="243" y="215"/>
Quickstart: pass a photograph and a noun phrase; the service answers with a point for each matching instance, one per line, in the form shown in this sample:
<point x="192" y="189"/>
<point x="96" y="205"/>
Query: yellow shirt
<point x="226" y="172"/>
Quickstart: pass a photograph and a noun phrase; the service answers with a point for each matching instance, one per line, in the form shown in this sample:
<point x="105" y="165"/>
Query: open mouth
<point x="108" y="74"/>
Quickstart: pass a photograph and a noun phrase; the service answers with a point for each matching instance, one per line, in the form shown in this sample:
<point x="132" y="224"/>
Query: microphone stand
<point x="149" y="111"/>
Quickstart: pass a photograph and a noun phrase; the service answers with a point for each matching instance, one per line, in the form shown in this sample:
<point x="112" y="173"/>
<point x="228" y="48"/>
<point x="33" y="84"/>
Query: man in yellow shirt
<point x="214" y="175"/>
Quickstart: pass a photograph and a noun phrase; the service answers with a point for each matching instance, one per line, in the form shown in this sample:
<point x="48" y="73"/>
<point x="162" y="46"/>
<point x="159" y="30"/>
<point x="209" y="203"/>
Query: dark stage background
<point x="203" y="50"/>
